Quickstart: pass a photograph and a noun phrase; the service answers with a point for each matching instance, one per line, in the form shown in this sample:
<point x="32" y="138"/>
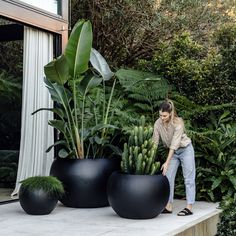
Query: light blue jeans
<point x="185" y="157"/>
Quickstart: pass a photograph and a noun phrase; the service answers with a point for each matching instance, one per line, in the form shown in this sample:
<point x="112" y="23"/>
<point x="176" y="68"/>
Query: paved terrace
<point x="65" y="221"/>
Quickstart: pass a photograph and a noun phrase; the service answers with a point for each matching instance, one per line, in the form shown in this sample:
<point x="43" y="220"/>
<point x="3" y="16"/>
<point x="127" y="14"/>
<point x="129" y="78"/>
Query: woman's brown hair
<point x="168" y="106"/>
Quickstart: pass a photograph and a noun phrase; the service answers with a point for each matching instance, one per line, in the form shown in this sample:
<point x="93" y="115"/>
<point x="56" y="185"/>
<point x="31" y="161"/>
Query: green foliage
<point x="71" y="65"/>
<point x="49" y="184"/>
<point x="199" y="118"/>
<point x="126" y="31"/>
<point x="202" y="73"/>
<point x="84" y="97"/>
<point x="77" y="51"/>
<point x="143" y="90"/>
<point x="121" y="28"/>
<point x="179" y="61"/>
<point x="139" y="153"/>
<point x="10" y="110"/>
<point x="11" y="57"/>
<point x="125" y="115"/>
<point x="225" y="70"/>
<point x="99" y="133"/>
<point x="11" y="73"/>
<point x="227" y="225"/>
<point x="10" y="87"/>
<point x="216" y="161"/>
<point x="225" y="37"/>
<point x="8" y="167"/>
<point x="65" y="79"/>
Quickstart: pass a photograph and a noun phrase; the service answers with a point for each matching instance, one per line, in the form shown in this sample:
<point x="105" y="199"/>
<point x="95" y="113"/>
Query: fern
<point x="146" y="108"/>
<point x="127" y="118"/>
<point x="144" y="90"/>
<point x="189" y="109"/>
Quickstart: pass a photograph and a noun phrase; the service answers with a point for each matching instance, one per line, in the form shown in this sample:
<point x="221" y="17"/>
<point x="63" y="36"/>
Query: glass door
<point x="11" y="74"/>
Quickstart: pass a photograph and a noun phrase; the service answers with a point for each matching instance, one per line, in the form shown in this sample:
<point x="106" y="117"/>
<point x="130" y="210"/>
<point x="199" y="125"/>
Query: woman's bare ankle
<point x="169" y="206"/>
<point x="189" y="206"/>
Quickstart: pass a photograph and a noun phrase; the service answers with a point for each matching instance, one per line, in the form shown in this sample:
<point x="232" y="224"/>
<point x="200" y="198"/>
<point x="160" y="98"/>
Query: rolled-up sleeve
<point x="176" y="140"/>
<point x="156" y="135"/>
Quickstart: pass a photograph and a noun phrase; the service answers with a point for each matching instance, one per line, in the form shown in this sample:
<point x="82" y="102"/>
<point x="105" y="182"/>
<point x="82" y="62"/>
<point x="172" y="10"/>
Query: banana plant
<point x="69" y="81"/>
<point x="70" y="67"/>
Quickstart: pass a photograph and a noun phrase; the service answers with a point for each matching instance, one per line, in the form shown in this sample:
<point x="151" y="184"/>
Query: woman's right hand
<point x="164" y="167"/>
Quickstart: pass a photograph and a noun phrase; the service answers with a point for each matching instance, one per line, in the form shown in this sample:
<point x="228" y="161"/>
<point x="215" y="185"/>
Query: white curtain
<point x="36" y="134"/>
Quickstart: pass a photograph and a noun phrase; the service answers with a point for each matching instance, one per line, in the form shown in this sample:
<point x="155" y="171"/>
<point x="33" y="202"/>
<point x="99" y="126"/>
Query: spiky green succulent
<point x="139" y="153"/>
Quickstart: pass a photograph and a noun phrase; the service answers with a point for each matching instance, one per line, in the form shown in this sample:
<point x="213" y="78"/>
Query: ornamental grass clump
<point x="139" y="153"/>
<point x="48" y="184"/>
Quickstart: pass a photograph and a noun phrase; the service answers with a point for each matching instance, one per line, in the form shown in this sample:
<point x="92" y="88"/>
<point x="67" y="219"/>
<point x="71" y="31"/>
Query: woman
<point x="170" y="129"/>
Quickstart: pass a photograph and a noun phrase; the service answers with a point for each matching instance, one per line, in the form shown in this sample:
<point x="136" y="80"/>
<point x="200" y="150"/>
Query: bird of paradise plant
<point x="68" y="84"/>
<point x="69" y="79"/>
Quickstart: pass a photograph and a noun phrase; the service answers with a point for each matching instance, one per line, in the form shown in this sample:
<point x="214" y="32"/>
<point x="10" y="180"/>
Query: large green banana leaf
<point x="78" y="48"/>
<point x="57" y="70"/>
<point x="99" y="63"/>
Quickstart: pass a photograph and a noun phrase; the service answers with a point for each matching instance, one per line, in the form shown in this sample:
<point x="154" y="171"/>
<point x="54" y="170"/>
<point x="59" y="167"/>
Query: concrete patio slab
<point x="65" y="221"/>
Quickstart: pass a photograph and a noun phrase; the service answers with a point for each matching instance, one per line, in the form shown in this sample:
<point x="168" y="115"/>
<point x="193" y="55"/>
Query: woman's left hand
<point x="164" y="168"/>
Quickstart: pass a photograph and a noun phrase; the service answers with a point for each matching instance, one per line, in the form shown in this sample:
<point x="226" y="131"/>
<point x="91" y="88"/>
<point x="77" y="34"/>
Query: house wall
<point x="36" y="17"/>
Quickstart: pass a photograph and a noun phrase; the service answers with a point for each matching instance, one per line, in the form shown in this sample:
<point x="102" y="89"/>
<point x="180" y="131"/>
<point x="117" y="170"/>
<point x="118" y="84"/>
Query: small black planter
<point x="84" y="180"/>
<point x="36" y="202"/>
<point x="138" y="196"/>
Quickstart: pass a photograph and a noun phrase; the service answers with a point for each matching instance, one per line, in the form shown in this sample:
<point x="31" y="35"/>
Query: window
<point x="53" y="6"/>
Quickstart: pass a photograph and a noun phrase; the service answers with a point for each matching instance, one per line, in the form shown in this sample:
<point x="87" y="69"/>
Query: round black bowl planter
<point x="138" y="196"/>
<point x="84" y="180"/>
<point x="37" y="201"/>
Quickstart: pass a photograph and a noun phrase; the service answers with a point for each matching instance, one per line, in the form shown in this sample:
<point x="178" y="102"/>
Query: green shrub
<point x="215" y="155"/>
<point x="179" y="61"/>
<point x="203" y="73"/>
<point x="227" y="225"/>
<point x="216" y="161"/>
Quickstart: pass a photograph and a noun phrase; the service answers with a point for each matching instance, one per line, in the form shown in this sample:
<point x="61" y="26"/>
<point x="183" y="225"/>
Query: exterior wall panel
<point x="35" y="17"/>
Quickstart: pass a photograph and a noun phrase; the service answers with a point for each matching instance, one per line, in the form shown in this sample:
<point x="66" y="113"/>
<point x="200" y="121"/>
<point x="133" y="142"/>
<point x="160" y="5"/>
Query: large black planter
<point x="138" y="196"/>
<point x="84" y="180"/>
<point x="36" y="202"/>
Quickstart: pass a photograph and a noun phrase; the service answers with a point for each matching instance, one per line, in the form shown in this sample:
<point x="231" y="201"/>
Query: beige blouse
<point x="172" y="136"/>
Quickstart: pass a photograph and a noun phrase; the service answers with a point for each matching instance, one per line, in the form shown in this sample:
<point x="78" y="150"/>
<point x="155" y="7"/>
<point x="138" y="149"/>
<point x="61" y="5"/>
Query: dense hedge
<point x="205" y="75"/>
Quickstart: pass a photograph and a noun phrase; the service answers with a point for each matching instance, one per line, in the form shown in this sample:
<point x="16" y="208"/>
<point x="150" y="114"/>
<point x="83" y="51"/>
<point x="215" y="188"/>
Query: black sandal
<point x="166" y="211"/>
<point x="185" y="212"/>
